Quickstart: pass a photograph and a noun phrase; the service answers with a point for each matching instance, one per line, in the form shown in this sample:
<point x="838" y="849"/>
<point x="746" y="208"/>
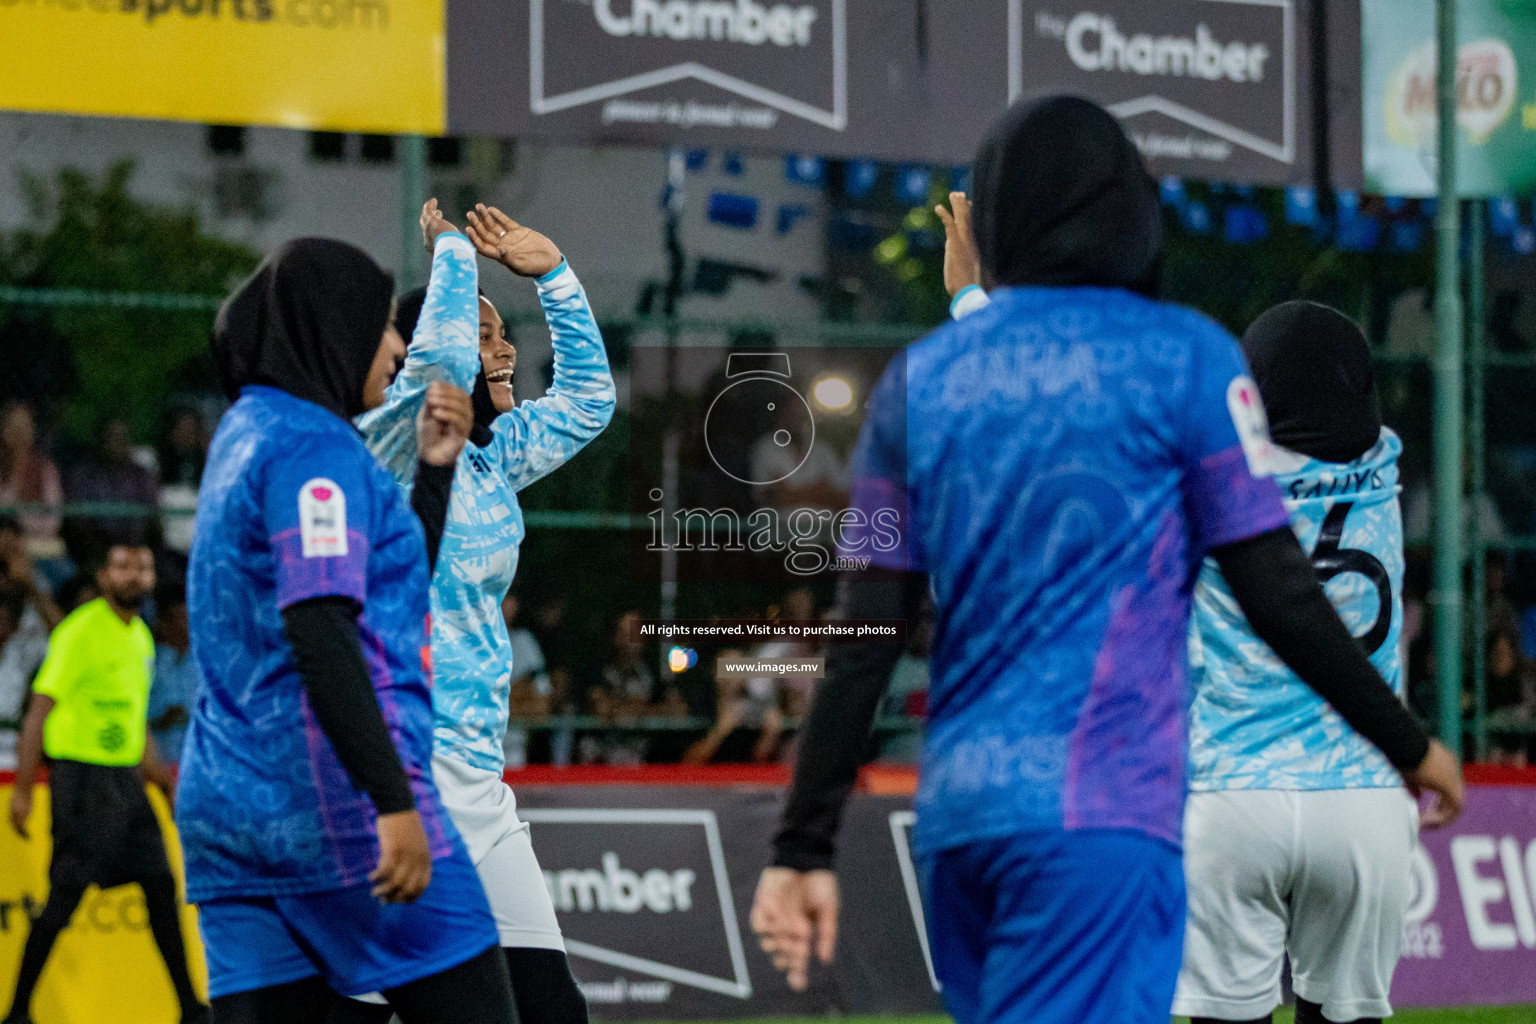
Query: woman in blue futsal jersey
<point x="317" y="847"/>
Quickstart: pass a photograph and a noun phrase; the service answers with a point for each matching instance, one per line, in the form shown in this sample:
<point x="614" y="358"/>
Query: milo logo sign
<point x="1487" y="82"/>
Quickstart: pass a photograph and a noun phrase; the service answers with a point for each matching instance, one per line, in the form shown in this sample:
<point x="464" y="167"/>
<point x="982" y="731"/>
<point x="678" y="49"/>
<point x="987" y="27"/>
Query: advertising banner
<point x="105" y="966"/>
<point x="826" y="77"/>
<point x="1208" y="88"/>
<point x="345" y="65"/>
<point x="1495" y="97"/>
<point x="1215" y="89"/>
<point x="1470" y="935"/>
<point x="653" y="888"/>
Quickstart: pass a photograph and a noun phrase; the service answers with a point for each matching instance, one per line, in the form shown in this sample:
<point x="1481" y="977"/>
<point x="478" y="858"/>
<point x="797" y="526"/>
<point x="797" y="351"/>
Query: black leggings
<point x="477" y="991"/>
<point x="64" y="895"/>
<point x="541" y="981"/>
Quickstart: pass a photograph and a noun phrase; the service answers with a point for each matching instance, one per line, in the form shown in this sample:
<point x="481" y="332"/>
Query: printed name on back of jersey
<point x="1252" y="426"/>
<point x="323" y="519"/>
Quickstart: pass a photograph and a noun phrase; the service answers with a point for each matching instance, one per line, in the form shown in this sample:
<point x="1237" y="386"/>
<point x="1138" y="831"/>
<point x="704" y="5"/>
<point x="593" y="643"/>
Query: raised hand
<point x="433" y="223"/>
<point x="962" y="260"/>
<point x="520" y="249"/>
<point x="444" y="423"/>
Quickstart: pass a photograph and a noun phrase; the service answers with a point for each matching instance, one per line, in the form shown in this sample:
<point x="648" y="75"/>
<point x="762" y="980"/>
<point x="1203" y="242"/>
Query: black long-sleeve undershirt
<point x="836" y="729"/>
<point x="1274" y="585"/>
<point x="323" y="634"/>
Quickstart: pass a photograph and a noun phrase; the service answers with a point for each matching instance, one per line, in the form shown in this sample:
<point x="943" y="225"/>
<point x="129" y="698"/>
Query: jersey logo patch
<point x="1252" y="426"/>
<point x="323" y="519"/>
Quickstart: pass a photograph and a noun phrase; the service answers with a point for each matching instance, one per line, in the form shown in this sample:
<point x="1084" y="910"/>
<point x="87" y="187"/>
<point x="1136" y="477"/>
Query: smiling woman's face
<point x="497" y="356"/>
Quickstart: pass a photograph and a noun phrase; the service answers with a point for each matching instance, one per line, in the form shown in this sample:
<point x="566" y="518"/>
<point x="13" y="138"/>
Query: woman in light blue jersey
<point x="510" y="447"/>
<point x="1299" y="837"/>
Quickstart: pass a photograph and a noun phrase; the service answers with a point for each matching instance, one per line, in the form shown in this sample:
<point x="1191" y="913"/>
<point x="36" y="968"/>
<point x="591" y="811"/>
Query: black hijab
<point x="1061" y="197"/>
<point x="406" y="316"/>
<point x="1313" y="368"/>
<point x="308" y="322"/>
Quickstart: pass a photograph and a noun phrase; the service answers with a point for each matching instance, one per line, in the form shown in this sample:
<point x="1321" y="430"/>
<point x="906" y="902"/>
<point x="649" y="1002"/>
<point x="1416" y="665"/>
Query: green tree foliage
<point x="94" y="234"/>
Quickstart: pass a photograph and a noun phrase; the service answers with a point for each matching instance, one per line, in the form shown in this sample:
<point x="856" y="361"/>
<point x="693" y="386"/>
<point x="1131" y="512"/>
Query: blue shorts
<point x="356" y="943"/>
<point x="1080" y="927"/>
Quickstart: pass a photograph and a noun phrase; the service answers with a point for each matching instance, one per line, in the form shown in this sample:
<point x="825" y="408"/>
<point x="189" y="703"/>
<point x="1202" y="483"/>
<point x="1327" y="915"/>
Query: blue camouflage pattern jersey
<point x="471" y="652"/>
<point x="1059" y="462"/>
<point x="294" y="507"/>
<point x="1254" y="724"/>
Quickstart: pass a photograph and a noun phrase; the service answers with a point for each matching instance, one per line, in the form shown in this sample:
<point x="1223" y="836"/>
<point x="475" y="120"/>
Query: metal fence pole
<point x="413" y="193"/>
<point x="1477" y="361"/>
<point x="1446" y="597"/>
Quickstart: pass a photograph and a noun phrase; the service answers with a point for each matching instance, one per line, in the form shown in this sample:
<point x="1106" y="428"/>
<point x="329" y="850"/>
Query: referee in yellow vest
<point x="88" y="715"/>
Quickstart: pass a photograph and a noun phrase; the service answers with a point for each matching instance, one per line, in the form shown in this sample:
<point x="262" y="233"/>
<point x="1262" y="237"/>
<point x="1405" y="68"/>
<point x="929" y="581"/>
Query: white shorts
<point x="1320" y="875"/>
<point x="485" y="811"/>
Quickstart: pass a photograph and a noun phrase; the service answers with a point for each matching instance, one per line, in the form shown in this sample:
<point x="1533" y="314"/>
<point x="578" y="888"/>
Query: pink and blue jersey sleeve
<point x="1229" y="489"/>
<point x="317" y="510"/>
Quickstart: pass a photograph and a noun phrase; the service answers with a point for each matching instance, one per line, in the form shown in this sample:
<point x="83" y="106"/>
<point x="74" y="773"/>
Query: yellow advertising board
<point x="105" y="966"/>
<point x="341" y="65"/>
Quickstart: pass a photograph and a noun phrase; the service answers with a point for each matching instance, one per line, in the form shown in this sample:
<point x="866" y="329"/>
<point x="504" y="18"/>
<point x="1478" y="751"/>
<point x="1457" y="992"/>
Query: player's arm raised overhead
<point x="1242" y="524"/>
<point x="539" y="436"/>
<point x="441" y="347"/>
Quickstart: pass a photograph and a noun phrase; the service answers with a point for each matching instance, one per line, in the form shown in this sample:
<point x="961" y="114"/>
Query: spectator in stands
<point x="23" y="645"/>
<point x="552" y="633"/>
<point x="29" y="477"/>
<point x="531" y="689"/>
<point x="19" y="573"/>
<point x="561" y="655"/>
<point x="1511" y="693"/>
<point x="792" y="693"/>
<point x="113" y="475"/>
<point x="27" y="615"/>
<point x="176" y="682"/>
<point x="627" y="690"/>
<point x="183" y="450"/>
<point x="748" y="726"/>
<point x="627" y="687"/>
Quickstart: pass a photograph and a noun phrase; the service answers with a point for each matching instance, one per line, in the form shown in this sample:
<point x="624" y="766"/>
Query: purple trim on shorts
<point x="1229" y="503"/>
<point x="1127" y="753"/>
<point x="300" y="578"/>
